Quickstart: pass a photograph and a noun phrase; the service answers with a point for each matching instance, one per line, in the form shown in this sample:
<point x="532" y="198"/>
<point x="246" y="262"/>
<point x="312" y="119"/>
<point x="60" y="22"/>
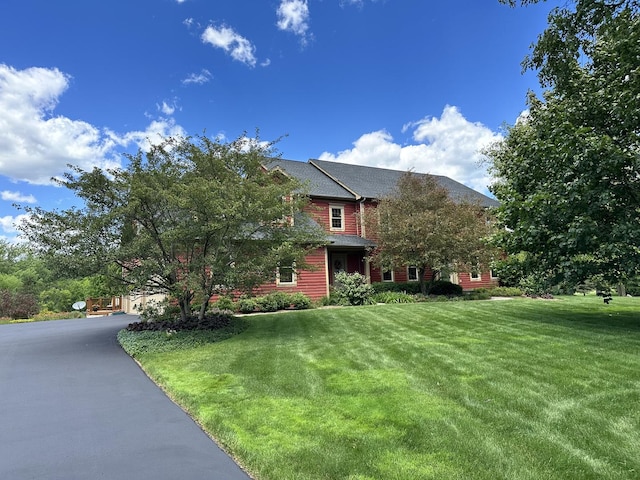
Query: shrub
<point x="393" y="297"/>
<point x="332" y="299"/>
<point x="274" y="301"/>
<point x="404" y="287"/>
<point x="478" y="294"/>
<point x="444" y="287"/>
<point x="505" y="292"/>
<point x="17" y="305"/>
<point x="267" y="303"/>
<point x="224" y="302"/>
<point x="300" y="301"/>
<point x="137" y="343"/>
<point x="48" y="315"/>
<point x="439" y="287"/>
<point x="154" y="311"/>
<point x="247" y="305"/>
<point x="353" y="289"/>
<point x="214" y="319"/>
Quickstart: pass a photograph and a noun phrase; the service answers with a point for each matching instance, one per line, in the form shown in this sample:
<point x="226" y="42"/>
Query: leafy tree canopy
<point x="192" y="217"/>
<point x="421" y="226"/>
<point x="568" y="173"/>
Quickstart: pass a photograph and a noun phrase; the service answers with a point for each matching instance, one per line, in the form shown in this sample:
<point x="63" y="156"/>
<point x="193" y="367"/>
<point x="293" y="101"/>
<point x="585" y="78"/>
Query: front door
<point x="338" y="264"/>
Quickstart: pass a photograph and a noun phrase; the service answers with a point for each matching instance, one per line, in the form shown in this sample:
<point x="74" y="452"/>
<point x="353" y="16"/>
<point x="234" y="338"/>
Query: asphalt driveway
<point x="73" y="405"/>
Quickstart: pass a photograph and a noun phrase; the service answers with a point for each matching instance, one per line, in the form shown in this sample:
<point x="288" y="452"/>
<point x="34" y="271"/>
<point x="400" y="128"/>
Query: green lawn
<point x="517" y="389"/>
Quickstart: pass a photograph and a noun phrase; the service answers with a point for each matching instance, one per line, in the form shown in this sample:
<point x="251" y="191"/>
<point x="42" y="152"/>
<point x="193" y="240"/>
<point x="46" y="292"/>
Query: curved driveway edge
<point x="74" y="405"/>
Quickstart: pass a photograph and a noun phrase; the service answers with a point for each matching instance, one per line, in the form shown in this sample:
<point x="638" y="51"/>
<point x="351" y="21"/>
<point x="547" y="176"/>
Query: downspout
<point x="363" y="229"/>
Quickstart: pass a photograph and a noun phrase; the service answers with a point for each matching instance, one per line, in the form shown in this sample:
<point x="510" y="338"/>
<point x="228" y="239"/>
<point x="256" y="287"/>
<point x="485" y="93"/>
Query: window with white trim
<point x="387" y="275"/>
<point x="493" y="275"/>
<point x="412" y="273"/>
<point x="336" y="217"/>
<point x="475" y="275"/>
<point x="286" y="275"/>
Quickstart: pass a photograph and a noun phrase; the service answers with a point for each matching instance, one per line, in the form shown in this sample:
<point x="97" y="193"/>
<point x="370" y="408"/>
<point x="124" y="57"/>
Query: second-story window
<point x="336" y="217"/>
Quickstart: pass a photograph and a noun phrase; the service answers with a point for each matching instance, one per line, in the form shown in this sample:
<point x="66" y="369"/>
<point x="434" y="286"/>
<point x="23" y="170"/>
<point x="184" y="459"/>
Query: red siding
<point x="320" y="211"/>
<point x="485" y="281"/>
<point x="312" y="283"/>
<point x="399" y="275"/>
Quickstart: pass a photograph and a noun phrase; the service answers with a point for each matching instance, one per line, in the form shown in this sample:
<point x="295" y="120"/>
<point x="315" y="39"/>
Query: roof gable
<point x="319" y="184"/>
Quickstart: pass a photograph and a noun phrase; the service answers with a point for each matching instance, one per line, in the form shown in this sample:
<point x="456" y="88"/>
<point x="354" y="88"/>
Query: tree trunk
<point x="423" y="285"/>
<point x="203" y="309"/>
<point x="622" y="291"/>
<point x="432" y="280"/>
<point x="184" y="302"/>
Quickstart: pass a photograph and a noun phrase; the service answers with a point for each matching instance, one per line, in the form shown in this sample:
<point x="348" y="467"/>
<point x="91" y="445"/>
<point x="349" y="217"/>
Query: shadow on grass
<point x="592" y="315"/>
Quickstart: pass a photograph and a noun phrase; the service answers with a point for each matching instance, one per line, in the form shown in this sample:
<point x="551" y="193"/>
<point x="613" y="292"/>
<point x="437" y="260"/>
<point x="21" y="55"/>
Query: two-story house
<point x="339" y="194"/>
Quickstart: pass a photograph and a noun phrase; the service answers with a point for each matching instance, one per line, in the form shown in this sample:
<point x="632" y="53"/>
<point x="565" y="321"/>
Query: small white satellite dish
<point x="79" y="305"/>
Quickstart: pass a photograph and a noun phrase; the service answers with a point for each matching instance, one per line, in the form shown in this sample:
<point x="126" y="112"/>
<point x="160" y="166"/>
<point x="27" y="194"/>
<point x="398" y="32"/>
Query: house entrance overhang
<point x="348" y="253"/>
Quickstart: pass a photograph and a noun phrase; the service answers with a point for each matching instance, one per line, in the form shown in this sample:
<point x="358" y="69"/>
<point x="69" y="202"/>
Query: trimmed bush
<point x="247" y="305"/>
<point x="444" y="287"/>
<point x="353" y="289"/>
<point x="300" y="301"/>
<point x="267" y="303"/>
<point x="478" y="294"/>
<point x="505" y="292"/>
<point x="224" y="302"/>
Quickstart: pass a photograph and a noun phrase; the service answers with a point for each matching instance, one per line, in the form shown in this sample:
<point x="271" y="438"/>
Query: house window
<point x="387" y="275"/>
<point x="493" y="275"/>
<point x="286" y="275"/>
<point x="337" y="217"/>
<point x="412" y="273"/>
<point x="475" y="275"/>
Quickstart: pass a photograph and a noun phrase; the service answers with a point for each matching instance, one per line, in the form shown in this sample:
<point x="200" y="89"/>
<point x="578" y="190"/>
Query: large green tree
<point x="192" y="217"/>
<point x="420" y="225"/>
<point x="568" y="173"/>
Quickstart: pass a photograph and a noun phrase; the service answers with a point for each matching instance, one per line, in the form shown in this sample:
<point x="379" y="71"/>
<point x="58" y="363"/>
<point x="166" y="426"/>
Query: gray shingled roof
<point x="372" y="182"/>
<point x="318" y="183"/>
<point x="350" y="241"/>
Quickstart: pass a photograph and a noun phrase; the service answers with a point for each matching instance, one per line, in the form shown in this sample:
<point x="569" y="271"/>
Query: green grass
<point x="517" y="389"/>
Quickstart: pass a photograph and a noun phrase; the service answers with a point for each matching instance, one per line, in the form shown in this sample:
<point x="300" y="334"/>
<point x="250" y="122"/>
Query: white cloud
<point x="17" y="197"/>
<point x="358" y="3"/>
<point x="8" y="223"/>
<point x="198" y="78"/>
<point x="35" y="145"/>
<point x="155" y="132"/>
<point x="168" y="108"/>
<point x="293" y="16"/>
<point x="449" y="145"/>
<point x="232" y="43"/>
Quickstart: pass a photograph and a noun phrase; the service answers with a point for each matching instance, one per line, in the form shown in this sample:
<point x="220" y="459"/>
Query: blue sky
<point x="405" y="84"/>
